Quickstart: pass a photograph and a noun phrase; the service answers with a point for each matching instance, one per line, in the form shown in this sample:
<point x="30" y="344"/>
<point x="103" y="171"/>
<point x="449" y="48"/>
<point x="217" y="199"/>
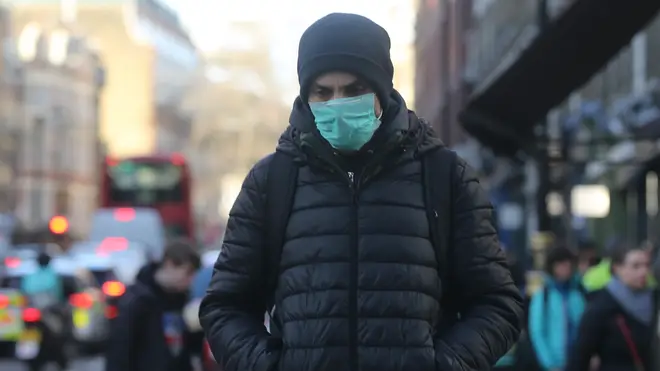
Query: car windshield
<point x="125" y="262"/>
<point x="119" y="226"/>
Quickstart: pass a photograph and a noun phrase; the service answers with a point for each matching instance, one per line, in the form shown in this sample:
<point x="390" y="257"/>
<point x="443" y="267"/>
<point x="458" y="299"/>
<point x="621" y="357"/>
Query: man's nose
<point x="339" y="93"/>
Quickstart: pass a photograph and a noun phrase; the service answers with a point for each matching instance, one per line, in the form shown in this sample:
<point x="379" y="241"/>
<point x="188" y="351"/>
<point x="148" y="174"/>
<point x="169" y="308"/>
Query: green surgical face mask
<point x="346" y="123"/>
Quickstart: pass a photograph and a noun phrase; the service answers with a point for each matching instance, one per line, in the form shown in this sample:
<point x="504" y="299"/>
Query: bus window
<point x="145" y="183"/>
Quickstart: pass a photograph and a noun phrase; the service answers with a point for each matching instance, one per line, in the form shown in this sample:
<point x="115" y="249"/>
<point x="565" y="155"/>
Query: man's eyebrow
<point x="352" y="85"/>
<point x="355" y="84"/>
<point x="319" y="86"/>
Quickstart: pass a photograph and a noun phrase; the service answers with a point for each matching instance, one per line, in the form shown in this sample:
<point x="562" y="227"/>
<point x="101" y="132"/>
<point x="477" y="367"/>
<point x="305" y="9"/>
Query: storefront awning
<point x="561" y="59"/>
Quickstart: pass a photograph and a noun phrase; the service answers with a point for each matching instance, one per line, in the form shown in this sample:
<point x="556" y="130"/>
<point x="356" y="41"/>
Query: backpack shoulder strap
<point x="546" y="296"/>
<point x="282" y="179"/>
<point x="438" y="168"/>
<point x="545" y="309"/>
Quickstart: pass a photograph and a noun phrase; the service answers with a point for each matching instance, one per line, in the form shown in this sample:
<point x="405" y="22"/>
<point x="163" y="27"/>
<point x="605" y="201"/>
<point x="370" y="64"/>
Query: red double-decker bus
<point x="159" y="182"/>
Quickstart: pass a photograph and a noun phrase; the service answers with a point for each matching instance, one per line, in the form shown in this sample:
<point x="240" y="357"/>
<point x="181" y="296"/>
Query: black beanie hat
<point x="349" y="43"/>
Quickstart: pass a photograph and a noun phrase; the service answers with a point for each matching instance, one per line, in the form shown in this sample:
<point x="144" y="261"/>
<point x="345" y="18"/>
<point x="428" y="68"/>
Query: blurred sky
<point x="285" y="19"/>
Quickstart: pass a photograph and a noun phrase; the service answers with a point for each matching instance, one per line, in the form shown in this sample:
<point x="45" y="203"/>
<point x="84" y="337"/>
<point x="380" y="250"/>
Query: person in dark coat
<point x="359" y="287"/>
<point x="149" y="333"/>
<point x="655" y="342"/>
<point x="617" y="327"/>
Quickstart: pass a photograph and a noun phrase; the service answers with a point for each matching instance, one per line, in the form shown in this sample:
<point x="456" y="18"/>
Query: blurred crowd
<point x="592" y="311"/>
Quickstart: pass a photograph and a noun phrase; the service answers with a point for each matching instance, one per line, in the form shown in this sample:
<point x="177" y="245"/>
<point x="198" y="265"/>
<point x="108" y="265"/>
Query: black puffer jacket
<point x="359" y="288"/>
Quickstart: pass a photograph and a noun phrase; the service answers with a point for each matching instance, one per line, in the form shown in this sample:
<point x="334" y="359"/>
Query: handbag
<point x="627" y="336"/>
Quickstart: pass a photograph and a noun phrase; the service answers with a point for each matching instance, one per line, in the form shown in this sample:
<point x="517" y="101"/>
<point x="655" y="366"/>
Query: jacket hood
<point x="400" y="125"/>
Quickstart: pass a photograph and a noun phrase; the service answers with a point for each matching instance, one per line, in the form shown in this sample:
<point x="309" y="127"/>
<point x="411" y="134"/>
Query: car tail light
<point x="11" y="262"/>
<point x="111" y="312"/>
<point x="81" y="300"/>
<point x="177" y="159"/>
<point x="113" y="288"/>
<point x="4" y="301"/>
<point x="111" y="244"/>
<point x="124" y="214"/>
<point x="31" y="315"/>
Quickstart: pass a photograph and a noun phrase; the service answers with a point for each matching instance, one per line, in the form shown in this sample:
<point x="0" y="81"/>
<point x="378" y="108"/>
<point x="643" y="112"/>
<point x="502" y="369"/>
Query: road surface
<point x="86" y="364"/>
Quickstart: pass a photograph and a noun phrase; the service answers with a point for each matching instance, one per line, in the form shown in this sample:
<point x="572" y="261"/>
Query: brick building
<point x="150" y="60"/>
<point x="440" y="87"/>
<point x="11" y="117"/>
<point x="61" y="78"/>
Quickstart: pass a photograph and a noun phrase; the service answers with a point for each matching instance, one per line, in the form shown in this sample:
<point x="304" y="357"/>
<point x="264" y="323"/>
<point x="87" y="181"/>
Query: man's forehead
<point x="332" y="79"/>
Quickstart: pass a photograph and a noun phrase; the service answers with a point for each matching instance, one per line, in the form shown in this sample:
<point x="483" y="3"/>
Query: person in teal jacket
<point x="43" y="281"/>
<point x="556" y="310"/>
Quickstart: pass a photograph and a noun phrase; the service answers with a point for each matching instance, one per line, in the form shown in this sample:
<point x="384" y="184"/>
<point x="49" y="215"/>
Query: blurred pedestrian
<point x="617" y="327"/>
<point x="149" y="333"/>
<point x="655" y="343"/>
<point x="588" y="255"/>
<point x="597" y="277"/>
<point x="44" y="289"/>
<point x="365" y="277"/>
<point x="44" y="281"/>
<point x="555" y="311"/>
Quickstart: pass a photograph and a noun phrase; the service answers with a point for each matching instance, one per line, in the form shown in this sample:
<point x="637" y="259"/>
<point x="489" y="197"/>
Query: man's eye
<point x="356" y="89"/>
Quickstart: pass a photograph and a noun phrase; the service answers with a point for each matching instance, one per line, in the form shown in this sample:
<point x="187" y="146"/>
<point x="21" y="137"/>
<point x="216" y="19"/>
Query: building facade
<point x="440" y="86"/>
<point x="398" y="18"/>
<point x="62" y="80"/>
<point x="11" y="118"/>
<point x="240" y="116"/>
<point x="149" y="58"/>
<point x="593" y="134"/>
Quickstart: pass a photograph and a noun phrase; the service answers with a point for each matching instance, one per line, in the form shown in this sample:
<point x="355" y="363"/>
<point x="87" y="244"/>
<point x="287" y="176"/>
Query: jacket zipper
<point x="353" y="278"/>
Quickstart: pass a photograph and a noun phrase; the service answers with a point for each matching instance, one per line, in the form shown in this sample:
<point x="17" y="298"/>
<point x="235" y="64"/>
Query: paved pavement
<point x="86" y="364"/>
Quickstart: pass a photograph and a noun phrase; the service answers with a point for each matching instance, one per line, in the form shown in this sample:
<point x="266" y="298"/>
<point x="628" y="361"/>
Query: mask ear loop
<point x="381" y="114"/>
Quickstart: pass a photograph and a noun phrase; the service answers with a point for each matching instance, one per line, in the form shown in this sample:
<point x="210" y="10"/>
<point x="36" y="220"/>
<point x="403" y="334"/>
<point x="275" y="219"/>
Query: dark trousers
<point x="53" y="344"/>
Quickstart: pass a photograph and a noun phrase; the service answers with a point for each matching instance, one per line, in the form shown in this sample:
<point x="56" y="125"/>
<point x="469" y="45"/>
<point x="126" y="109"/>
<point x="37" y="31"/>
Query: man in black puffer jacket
<point x="359" y="286"/>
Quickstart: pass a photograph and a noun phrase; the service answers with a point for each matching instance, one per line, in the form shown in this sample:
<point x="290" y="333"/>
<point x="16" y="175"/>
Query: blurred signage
<point x="128" y="175"/>
<point x="510" y="216"/>
<point x="590" y="201"/>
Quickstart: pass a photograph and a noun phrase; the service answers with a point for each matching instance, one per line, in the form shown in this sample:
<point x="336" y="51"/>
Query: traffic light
<point x="58" y="225"/>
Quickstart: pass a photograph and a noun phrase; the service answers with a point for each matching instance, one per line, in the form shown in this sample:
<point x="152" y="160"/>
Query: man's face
<point x="635" y="269"/>
<point x="563" y="270"/>
<point x="177" y="277"/>
<point x="335" y="85"/>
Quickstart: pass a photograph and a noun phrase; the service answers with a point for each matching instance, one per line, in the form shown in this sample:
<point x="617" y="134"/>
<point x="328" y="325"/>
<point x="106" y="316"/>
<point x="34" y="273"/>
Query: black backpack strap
<point x="281" y="188"/>
<point x="438" y="168"/>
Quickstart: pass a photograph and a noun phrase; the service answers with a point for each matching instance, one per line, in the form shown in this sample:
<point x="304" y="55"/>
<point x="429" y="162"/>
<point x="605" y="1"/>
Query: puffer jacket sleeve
<point x="232" y="312"/>
<point x="490" y="304"/>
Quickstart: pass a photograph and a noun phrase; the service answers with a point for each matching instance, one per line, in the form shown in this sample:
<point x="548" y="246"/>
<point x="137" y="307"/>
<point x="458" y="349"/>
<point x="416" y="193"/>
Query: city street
<point x="86" y="364"/>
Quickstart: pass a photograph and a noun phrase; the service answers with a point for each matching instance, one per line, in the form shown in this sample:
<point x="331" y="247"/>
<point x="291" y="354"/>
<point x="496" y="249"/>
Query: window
<point x="146" y="184"/>
<point x="36" y="202"/>
<point x="38" y="143"/>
